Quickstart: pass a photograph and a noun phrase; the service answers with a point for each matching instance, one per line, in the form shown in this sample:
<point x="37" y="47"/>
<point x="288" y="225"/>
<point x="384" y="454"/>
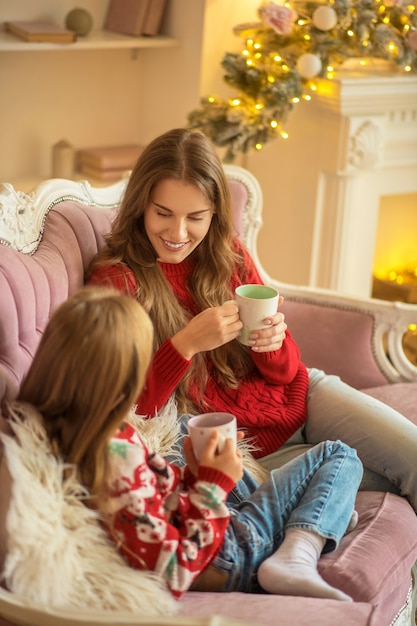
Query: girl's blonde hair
<point x="87" y="372"/>
<point x="185" y="155"/>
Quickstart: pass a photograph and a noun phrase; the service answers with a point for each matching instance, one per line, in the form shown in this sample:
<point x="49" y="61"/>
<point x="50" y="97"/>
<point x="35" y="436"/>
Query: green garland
<point x="290" y="47"/>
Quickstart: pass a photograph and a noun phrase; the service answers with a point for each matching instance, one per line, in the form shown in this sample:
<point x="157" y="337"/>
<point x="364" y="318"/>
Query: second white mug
<point x="201" y="426"/>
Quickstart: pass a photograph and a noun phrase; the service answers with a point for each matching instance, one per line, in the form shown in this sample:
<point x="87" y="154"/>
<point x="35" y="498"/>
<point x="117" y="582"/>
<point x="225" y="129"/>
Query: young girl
<point x="172" y="248"/>
<point x="90" y="366"/>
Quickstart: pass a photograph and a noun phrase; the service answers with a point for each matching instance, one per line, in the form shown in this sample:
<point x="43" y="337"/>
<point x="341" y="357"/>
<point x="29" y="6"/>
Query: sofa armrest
<point x="360" y="339"/>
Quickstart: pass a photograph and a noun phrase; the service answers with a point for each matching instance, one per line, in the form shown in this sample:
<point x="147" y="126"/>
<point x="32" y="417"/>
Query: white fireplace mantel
<point x="370" y="152"/>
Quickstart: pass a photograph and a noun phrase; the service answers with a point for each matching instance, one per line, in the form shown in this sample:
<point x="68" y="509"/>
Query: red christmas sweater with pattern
<point x="161" y="517"/>
<point x="269" y="404"/>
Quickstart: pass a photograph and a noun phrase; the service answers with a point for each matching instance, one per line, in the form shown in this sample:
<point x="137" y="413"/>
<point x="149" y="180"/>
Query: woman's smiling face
<point x="176" y="219"/>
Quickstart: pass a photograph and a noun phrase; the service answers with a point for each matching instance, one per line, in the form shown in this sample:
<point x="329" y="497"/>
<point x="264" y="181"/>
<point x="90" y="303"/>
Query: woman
<point x="172" y="247"/>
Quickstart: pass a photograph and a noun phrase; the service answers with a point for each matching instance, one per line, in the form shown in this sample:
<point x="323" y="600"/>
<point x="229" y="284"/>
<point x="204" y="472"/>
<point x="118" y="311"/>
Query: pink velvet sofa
<point x="47" y="238"/>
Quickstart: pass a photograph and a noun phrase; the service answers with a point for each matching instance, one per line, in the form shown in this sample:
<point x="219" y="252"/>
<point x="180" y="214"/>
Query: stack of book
<point x="108" y="163"/>
<point x="40" y="32"/>
<point x="135" y="17"/>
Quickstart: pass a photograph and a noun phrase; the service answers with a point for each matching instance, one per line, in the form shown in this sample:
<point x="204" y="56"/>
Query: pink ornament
<point x="279" y="18"/>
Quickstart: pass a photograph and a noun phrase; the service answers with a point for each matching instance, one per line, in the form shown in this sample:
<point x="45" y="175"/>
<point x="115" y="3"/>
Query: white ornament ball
<point x="324" y="18"/>
<point x="308" y="65"/>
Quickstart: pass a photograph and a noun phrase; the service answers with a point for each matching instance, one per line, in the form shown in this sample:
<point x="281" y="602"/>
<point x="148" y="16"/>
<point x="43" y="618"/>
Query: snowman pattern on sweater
<point x="160" y="516"/>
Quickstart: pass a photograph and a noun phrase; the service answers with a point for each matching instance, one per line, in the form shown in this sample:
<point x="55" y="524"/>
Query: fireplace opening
<point x="395" y="258"/>
<point x="395" y="253"/>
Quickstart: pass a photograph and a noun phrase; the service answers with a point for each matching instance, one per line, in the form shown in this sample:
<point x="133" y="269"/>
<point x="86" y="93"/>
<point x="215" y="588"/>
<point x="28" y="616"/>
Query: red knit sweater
<point x="269" y="405"/>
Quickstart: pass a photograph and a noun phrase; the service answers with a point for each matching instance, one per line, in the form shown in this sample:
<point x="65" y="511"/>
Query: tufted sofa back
<point x="32" y="286"/>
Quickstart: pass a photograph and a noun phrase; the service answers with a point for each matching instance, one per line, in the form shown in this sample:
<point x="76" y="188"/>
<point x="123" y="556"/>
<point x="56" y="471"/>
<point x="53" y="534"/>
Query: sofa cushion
<point x="374" y="559"/>
<point x="270" y="610"/>
<point x="400" y="396"/>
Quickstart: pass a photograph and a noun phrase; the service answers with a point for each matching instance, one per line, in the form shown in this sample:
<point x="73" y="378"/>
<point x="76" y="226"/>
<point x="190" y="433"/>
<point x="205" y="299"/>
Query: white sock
<point x="292" y="569"/>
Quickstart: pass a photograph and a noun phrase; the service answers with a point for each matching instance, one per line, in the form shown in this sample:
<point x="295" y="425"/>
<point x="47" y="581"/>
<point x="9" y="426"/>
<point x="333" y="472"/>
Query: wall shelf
<point x="92" y="93"/>
<point x="96" y="40"/>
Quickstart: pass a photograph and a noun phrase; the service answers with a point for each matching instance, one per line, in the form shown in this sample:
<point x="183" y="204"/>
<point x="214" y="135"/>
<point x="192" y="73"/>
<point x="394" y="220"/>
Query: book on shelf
<point x="126" y="16"/>
<point x="40" y="31"/>
<point x="154" y="16"/>
<point x="122" y="157"/>
<point x="111" y="174"/>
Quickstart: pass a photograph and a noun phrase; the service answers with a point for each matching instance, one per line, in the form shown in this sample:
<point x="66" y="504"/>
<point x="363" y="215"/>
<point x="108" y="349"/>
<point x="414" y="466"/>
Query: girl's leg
<point x="292" y="569"/>
<point x="314" y="493"/>
<point x="243" y="489"/>
<point x="385" y="440"/>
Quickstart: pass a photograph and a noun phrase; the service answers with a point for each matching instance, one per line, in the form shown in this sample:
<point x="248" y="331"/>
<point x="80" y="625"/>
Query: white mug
<point x="255" y="303"/>
<point x="201" y="426"/>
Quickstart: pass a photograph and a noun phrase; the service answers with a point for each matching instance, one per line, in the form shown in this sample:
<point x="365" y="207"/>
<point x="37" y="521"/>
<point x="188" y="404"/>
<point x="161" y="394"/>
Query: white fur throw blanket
<point x="58" y="555"/>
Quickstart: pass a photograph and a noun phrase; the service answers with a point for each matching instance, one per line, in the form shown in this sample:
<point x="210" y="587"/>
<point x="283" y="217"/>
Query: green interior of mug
<point x="256" y="292"/>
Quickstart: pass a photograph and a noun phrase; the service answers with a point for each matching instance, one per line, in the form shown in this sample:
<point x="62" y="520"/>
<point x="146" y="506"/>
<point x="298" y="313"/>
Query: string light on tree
<point x="287" y="50"/>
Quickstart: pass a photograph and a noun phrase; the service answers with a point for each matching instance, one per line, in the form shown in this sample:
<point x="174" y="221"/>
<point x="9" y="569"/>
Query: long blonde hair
<point x="87" y="372"/>
<point x="186" y="155"/>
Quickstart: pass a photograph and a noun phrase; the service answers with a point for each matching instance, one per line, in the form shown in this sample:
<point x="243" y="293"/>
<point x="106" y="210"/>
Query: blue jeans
<point x="314" y="492"/>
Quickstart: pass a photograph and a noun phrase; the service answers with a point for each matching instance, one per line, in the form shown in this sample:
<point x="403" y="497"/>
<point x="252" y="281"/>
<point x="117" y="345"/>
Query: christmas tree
<point x="287" y="50"/>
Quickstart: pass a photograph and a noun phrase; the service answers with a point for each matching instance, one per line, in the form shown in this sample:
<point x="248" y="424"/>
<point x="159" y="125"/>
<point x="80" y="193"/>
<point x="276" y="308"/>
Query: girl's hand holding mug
<point x="228" y="461"/>
<point x="212" y="443"/>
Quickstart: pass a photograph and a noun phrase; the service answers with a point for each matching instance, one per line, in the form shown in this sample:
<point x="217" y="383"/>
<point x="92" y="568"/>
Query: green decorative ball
<point x="79" y="21"/>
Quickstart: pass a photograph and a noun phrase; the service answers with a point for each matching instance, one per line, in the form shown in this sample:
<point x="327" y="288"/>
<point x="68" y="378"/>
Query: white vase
<point x="63" y="156"/>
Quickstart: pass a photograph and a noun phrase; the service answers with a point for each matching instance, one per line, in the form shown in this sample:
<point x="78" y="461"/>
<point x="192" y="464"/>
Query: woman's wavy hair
<point x="186" y="155"/>
<point x="87" y="372"/>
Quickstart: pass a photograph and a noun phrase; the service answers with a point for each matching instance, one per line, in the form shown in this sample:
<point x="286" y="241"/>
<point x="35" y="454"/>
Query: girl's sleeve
<point x="156" y="524"/>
